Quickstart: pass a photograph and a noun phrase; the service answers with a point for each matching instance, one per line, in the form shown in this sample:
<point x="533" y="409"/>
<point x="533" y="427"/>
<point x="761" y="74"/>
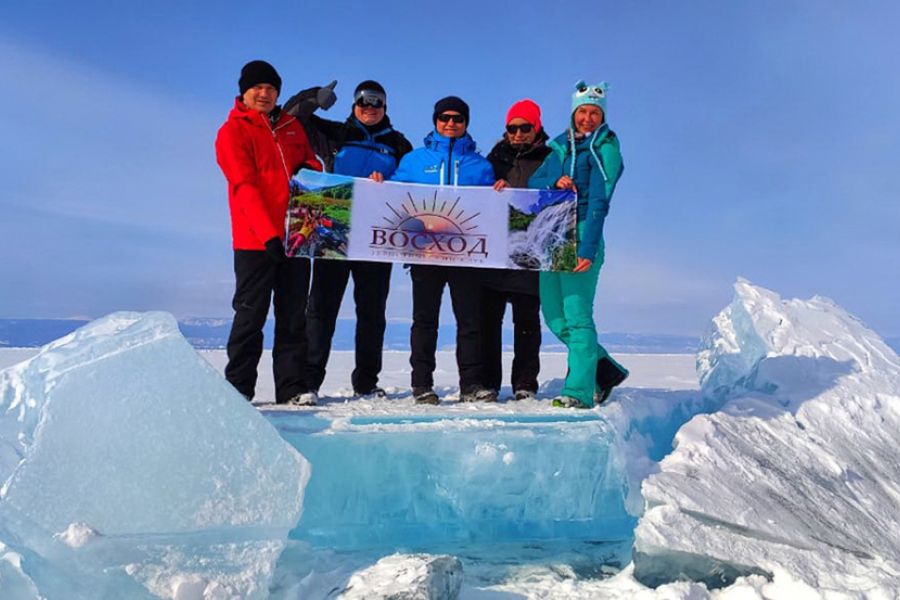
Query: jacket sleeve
<point x="307" y="156"/>
<point x="406" y="169"/>
<point x="403" y="146"/>
<point x="602" y="184"/>
<point x="486" y="177"/>
<point x="592" y="231"/>
<point x="612" y="162"/>
<point x="332" y="130"/>
<point x="235" y="158"/>
<point x="547" y="174"/>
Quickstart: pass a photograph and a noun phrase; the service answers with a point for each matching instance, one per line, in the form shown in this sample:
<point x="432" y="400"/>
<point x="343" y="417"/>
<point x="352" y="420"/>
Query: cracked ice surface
<point x="799" y="473"/>
<point x="129" y="466"/>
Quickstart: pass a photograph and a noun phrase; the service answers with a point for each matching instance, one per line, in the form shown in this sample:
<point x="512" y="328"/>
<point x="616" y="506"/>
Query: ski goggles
<point x="445" y="118"/>
<point x="369" y="98"/>
<point x="524" y="128"/>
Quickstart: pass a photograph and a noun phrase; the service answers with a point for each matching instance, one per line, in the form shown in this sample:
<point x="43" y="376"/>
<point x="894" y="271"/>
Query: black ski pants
<point x="526" y="364"/>
<point x="259" y="281"/>
<point x="465" y="295"/>
<point x="371" y="282"/>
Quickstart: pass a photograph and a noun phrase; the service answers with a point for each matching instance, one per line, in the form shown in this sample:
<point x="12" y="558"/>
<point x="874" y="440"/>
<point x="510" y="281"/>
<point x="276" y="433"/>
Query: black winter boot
<point x="609" y="375"/>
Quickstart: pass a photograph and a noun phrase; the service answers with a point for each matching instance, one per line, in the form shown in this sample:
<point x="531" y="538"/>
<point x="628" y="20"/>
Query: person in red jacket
<point x="259" y="148"/>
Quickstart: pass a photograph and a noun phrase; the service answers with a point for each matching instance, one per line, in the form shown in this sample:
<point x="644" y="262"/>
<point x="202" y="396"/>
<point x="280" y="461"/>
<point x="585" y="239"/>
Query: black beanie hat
<point x="370" y="85"/>
<point x="256" y="72"/>
<point x="450" y="103"/>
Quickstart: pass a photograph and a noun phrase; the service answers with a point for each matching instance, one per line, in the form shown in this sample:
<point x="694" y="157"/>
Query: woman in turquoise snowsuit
<point x="585" y="159"/>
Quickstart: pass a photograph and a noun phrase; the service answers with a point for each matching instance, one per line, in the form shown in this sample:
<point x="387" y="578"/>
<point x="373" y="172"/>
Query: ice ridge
<point x="798" y="471"/>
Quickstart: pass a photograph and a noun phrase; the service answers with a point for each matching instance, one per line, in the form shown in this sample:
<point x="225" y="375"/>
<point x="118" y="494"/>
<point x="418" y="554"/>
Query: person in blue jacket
<point x="448" y="158"/>
<point x="585" y="159"/>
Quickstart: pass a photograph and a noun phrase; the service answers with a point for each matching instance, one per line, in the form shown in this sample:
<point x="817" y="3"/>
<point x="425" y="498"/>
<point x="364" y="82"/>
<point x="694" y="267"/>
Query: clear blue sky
<point x="761" y="139"/>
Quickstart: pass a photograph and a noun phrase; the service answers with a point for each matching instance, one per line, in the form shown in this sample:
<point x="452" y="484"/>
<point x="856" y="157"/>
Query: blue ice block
<point x="416" y="483"/>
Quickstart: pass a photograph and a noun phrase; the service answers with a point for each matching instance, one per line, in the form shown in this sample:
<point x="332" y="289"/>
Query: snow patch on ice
<point x="76" y="535"/>
<point x="180" y="573"/>
<point x="407" y="576"/>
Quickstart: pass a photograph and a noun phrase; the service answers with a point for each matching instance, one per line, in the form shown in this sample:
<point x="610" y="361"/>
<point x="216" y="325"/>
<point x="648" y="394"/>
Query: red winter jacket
<point x="258" y="163"/>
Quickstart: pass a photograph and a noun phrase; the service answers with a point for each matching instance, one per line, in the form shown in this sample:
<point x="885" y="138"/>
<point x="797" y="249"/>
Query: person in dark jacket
<point x="259" y="148"/>
<point x="449" y="157"/>
<point x="514" y="159"/>
<point x="364" y="144"/>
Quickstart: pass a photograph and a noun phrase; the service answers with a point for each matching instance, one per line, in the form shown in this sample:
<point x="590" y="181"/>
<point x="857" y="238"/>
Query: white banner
<point x="340" y="217"/>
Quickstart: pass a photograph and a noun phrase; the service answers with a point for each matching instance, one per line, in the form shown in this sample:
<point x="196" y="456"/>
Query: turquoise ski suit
<point x="567" y="299"/>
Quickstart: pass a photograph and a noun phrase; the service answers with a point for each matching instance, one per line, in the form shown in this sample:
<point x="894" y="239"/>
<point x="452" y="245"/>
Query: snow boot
<point x="310" y="398"/>
<point x="524" y="395"/>
<point x="376" y="393"/>
<point x="569" y="402"/>
<point x="486" y="395"/>
<point x="425" y="395"/>
<point x="609" y="375"/>
<point x="477" y="393"/>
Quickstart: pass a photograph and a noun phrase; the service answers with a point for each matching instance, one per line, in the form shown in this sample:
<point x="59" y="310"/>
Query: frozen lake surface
<point x="130" y="468"/>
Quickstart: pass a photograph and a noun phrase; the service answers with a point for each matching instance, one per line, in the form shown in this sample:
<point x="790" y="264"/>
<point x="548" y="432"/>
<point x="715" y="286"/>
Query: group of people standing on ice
<point x="262" y="145"/>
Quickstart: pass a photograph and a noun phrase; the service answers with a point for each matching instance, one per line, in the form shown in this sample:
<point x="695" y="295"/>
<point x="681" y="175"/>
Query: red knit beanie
<point x="525" y="109"/>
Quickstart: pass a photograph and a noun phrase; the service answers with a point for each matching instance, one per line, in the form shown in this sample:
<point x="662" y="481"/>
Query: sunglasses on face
<point x="524" y="128"/>
<point x="445" y="118"/>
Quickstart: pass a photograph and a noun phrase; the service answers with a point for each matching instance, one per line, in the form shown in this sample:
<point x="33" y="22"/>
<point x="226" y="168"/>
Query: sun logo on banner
<point x="430" y="228"/>
<point x="414" y="217"/>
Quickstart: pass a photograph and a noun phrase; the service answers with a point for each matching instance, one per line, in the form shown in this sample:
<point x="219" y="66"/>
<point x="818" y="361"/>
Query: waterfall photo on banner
<point x="340" y="217"/>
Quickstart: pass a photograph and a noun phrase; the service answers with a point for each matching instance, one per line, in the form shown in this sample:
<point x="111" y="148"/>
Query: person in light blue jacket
<point x="448" y="158"/>
<point x="585" y="159"/>
<point x="445" y="161"/>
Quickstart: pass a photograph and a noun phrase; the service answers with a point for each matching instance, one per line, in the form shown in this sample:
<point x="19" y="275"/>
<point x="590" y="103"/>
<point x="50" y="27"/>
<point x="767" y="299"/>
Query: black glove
<point x="302" y="104"/>
<point x="275" y="250"/>
<point x="325" y="97"/>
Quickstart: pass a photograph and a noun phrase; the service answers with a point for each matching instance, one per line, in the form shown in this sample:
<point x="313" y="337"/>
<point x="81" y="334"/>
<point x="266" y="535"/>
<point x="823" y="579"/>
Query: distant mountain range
<point x="213" y="333"/>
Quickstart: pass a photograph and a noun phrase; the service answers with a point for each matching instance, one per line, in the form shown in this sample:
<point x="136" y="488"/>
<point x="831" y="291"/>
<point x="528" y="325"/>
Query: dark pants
<point x="371" y="282"/>
<point x="257" y="281"/>
<point x="465" y="294"/>
<point x="526" y="310"/>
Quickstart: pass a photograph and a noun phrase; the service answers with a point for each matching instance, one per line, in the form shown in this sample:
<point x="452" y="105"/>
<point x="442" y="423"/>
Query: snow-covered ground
<point x="781" y="481"/>
<point x="664" y="371"/>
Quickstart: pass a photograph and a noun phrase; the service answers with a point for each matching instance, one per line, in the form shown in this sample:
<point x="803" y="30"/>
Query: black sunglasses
<point x="524" y="128"/>
<point x="445" y="118"/>
<point x="370" y="101"/>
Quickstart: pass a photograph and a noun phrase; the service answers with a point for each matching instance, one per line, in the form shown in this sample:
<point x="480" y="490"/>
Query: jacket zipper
<point x="450" y="160"/>
<point x="280" y="151"/>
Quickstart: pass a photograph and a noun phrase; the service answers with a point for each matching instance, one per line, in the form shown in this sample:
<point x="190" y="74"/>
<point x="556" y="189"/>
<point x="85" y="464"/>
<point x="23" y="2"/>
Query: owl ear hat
<point x="590" y="94"/>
